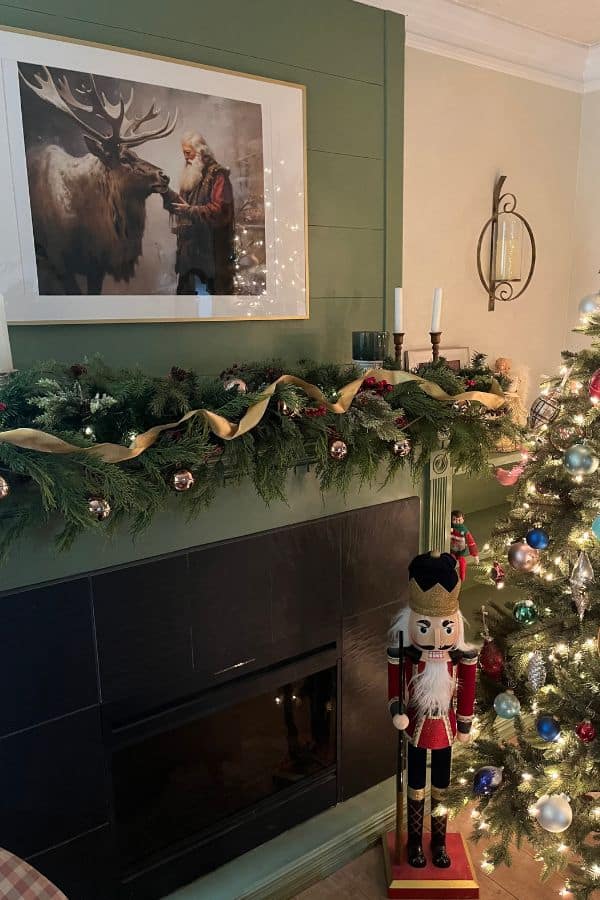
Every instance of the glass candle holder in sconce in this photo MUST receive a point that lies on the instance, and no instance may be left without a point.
(369, 349)
(509, 248)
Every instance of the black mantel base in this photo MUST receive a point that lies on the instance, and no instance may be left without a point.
(90, 662)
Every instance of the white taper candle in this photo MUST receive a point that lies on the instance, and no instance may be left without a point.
(6, 363)
(398, 311)
(436, 311)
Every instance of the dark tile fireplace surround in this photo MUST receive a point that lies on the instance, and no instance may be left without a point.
(161, 718)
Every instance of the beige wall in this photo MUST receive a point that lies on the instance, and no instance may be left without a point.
(464, 126)
(586, 244)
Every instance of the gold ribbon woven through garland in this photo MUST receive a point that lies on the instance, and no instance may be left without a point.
(32, 439)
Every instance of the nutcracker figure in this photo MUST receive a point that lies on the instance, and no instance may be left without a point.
(436, 688)
(462, 542)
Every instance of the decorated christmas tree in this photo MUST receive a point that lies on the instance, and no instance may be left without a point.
(533, 771)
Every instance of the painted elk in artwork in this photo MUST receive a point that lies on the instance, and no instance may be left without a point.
(89, 212)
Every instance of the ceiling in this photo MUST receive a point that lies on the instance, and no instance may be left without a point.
(572, 20)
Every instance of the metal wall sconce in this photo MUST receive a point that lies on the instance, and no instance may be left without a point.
(505, 263)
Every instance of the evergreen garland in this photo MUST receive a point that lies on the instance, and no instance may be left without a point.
(91, 402)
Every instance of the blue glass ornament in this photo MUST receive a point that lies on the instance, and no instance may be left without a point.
(486, 780)
(580, 460)
(547, 727)
(507, 705)
(596, 528)
(537, 538)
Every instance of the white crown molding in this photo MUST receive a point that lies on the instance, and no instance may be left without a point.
(591, 77)
(478, 38)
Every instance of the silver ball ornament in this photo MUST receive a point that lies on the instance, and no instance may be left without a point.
(589, 305)
(4, 488)
(240, 386)
(522, 557)
(183, 480)
(99, 508)
(553, 812)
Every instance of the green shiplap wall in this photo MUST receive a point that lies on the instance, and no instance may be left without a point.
(351, 59)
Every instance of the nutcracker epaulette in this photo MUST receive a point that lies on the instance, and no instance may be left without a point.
(393, 655)
(467, 657)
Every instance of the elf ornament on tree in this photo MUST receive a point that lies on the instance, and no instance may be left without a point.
(462, 542)
(435, 686)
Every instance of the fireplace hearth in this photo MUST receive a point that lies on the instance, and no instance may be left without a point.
(164, 717)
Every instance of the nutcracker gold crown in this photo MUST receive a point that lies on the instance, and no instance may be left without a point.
(436, 601)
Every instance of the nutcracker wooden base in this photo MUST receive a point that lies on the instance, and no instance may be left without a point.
(430, 883)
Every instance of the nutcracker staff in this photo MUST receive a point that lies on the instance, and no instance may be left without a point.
(438, 692)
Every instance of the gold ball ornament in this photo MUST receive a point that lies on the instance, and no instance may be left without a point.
(4, 488)
(99, 508)
(338, 450)
(183, 480)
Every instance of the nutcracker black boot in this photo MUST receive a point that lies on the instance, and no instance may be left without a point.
(416, 814)
(439, 855)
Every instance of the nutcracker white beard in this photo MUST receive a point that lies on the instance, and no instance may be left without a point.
(432, 689)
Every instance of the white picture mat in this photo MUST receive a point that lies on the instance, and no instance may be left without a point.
(285, 192)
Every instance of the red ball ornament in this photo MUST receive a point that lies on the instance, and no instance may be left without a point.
(585, 731)
(594, 387)
(491, 660)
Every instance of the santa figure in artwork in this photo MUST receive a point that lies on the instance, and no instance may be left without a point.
(462, 542)
(437, 689)
(204, 221)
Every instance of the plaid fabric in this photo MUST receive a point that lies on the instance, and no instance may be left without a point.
(20, 881)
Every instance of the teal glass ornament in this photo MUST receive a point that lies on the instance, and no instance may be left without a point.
(525, 612)
(538, 538)
(507, 705)
(596, 528)
(580, 460)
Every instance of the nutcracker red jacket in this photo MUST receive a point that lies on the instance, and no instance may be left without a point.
(438, 731)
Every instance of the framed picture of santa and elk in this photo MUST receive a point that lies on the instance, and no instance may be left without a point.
(145, 189)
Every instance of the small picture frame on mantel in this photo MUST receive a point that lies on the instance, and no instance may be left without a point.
(456, 357)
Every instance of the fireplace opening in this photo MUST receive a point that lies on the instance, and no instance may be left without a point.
(194, 775)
